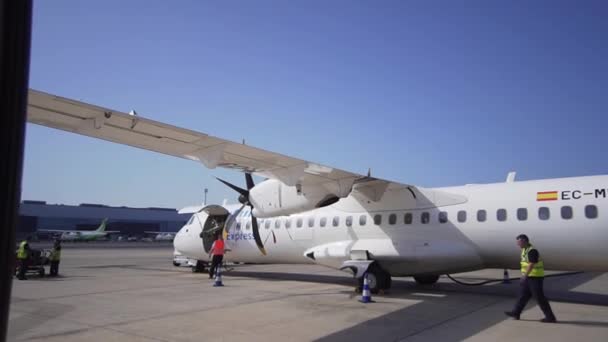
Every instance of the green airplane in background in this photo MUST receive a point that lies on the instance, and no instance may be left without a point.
(83, 235)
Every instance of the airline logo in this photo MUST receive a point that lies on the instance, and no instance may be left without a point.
(566, 195)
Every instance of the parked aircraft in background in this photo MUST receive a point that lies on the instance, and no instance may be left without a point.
(82, 235)
(162, 236)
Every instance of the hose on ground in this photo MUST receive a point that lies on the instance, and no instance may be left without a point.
(510, 279)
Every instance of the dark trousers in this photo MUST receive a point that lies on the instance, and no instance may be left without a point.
(54, 268)
(533, 286)
(216, 262)
(22, 268)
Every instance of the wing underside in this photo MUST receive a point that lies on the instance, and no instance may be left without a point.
(103, 123)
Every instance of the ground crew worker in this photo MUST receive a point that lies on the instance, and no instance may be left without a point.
(217, 250)
(55, 257)
(23, 254)
(531, 283)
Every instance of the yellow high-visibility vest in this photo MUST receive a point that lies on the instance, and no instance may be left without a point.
(539, 268)
(55, 254)
(22, 252)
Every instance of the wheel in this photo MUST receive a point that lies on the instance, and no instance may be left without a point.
(199, 268)
(426, 279)
(378, 279)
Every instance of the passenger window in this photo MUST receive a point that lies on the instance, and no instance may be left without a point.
(311, 221)
(501, 215)
(238, 226)
(522, 214)
(591, 211)
(407, 219)
(336, 221)
(566, 212)
(425, 217)
(543, 213)
(349, 221)
(392, 219)
(462, 216)
(443, 217)
(277, 224)
(267, 224)
(362, 220)
(481, 215)
(378, 219)
(323, 221)
(287, 223)
(248, 225)
(299, 222)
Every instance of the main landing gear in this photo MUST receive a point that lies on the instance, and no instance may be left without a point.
(426, 279)
(378, 279)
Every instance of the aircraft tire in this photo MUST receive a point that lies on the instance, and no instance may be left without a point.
(379, 279)
(426, 279)
(199, 268)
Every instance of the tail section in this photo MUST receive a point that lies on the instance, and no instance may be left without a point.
(102, 226)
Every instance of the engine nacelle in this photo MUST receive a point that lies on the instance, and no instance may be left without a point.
(273, 198)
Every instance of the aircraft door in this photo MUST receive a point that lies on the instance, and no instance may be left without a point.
(213, 225)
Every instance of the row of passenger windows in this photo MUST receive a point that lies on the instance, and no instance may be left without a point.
(544, 213)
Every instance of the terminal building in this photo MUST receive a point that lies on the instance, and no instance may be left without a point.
(35, 215)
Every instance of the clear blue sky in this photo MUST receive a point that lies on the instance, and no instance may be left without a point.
(432, 93)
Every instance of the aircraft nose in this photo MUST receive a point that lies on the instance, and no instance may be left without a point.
(179, 242)
(187, 242)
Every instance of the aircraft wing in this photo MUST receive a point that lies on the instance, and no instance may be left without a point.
(108, 124)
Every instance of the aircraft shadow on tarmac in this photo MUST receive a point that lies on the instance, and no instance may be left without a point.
(435, 305)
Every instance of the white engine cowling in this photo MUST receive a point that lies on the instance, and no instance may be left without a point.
(273, 198)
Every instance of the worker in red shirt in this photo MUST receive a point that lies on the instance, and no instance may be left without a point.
(217, 251)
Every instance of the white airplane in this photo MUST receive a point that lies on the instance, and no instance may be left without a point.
(305, 212)
(162, 236)
(82, 235)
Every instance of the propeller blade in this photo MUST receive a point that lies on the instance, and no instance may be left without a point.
(249, 181)
(243, 192)
(244, 198)
(256, 234)
(230, 220)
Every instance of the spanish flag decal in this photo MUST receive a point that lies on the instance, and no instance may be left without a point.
(546, 196)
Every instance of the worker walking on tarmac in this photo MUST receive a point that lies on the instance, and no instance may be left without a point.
(217, 251)
(533, 275)
(55, 257)
(23, 255)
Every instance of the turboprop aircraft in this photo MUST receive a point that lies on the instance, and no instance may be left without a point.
(305, 212)
(82, 235)
(162, 236)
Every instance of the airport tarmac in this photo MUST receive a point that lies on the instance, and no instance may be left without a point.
(136, 294)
